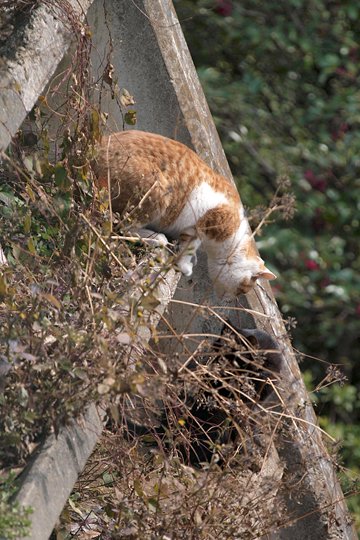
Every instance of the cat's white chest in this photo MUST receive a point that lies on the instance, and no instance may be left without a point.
(201, 199)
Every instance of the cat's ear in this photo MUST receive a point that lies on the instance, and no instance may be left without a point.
(265, 273)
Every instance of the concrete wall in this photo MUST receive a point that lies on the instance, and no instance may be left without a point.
(28, 60)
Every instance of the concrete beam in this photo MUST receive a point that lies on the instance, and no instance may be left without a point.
(49, 478)
(30, 57)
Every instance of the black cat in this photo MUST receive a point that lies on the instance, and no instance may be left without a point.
(241, 369)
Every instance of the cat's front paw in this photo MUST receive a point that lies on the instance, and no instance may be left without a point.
(160, 240)
(152, 238)
(184, 267)
(156, 240)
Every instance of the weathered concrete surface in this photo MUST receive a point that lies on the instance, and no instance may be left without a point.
(170, 101)
(49, 478)
(29, 60)
(139, 65)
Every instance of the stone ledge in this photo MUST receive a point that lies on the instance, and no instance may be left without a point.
(47, 481)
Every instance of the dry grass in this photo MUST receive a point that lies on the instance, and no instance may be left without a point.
(200, 465)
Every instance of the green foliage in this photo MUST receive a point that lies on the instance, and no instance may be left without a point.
(337, 405)
(14, 522)
(282, 81)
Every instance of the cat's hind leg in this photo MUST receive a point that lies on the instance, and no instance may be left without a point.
(189, 244)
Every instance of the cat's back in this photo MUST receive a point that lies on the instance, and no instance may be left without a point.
(136, 151)
(174, 179)
(142, 143)
(135, 147)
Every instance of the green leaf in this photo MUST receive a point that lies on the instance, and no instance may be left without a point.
(130, 117)
(27, 223)
(329, 60)
(149, 301)
(3, 285)
(138, 488)
(31, 246)
(108, 479)
(153, 504)
(61, 177)
(95, 124)
(30, 192)
(7, 197)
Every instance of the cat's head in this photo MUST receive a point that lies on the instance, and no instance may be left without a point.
(237, 275)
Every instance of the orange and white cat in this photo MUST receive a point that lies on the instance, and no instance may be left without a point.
(161, 184)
